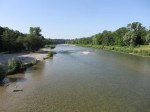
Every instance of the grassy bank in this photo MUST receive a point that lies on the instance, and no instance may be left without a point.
(142, 50)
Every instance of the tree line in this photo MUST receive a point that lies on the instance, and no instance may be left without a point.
(11, 40)
(15, 41)
(56, 41)
(132, 35)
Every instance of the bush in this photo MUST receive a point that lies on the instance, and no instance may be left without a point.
(130, 50)
(50, 54)
(112, 48)
(52, 46)
(145, 52)
(30, 63)
(15, 65)
(135, 51)
(46, 46)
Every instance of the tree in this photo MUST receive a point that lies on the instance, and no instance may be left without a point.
(33, 42)
(1, 32)
(94, 40)
(20, 43)
(118, 34)
(35, 30)
(140, 31)
(130, 38)
(97, 39)
(9, 40)
(148, 38)
(107, 38)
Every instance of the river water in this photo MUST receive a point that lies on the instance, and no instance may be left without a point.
(80, 79)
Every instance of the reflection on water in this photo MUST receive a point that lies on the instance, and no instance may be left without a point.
(77, 81)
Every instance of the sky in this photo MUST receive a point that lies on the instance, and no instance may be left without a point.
(69, 19)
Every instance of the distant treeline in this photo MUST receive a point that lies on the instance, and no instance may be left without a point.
(15, 41)
(57, 41)
(132, 35)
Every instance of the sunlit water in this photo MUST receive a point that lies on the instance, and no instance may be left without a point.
(81, 79)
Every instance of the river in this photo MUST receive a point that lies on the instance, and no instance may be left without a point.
(80, 79)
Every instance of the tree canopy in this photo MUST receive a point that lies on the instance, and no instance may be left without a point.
(131, 35)
(11, 40)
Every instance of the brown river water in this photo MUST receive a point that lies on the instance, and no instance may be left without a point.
(80, 79)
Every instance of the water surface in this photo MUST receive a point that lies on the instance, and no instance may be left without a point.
(81, 79)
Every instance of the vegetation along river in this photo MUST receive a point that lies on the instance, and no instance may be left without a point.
(80, 79)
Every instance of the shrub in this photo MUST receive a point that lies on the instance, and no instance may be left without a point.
(30, 63)
(52, 46)
(50, 54)
(112, 48)
(46, 46)
(15, 65)
(135, 51)
(130, 50)
(145, 52)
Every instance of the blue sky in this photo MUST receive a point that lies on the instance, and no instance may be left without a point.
(72, 18)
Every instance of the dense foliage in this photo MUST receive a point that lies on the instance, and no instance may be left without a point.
(132, 35)
(56, 41)
(15, 41)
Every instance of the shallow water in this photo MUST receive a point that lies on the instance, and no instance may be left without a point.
(81, 79)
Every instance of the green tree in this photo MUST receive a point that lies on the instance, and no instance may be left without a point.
(118, 34)
(97, 39)
(148, 38)
(94, 40)
(33, 42)
(35, 30)
(107, 38)
(20, 43)
(140, 31)
(130, 38)
(9, 40)
(1, 32)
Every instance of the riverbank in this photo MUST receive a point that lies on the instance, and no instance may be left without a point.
(26, 57)
(142, 50)
(18, 62)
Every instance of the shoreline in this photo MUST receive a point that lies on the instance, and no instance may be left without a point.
(26, 57)
(112, 48)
